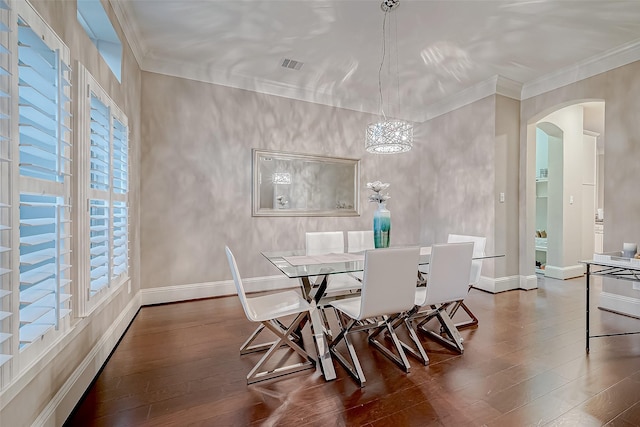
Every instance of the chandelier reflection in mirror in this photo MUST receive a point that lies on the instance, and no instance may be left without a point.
(389, 136)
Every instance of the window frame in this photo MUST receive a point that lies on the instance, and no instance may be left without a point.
(88, 87)
(8, 175)
(95, 21)
(20, 184)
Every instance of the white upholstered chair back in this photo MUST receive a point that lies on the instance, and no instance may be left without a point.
(389, 284)
(324, 242)
(246, 305)
(449, 270)
(358, 241)
(479, 244)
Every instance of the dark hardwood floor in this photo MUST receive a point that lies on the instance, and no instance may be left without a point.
(525, 364)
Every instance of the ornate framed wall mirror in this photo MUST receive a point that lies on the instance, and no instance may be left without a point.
(291, 184)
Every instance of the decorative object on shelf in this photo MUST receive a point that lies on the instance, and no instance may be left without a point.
(389, 136)
(282, 202)
(382, 216)
(541, 233)
(629, 250)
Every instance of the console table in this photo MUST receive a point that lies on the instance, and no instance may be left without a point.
(615, 267)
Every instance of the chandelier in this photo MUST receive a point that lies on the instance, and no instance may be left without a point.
(388, 136)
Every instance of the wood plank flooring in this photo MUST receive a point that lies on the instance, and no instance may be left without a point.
(525, 364)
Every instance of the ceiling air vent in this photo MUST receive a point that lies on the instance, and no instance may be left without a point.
(290, 63)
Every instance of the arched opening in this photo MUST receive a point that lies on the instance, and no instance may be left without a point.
(565, 201)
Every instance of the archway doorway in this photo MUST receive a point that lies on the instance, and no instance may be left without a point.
(568, 150)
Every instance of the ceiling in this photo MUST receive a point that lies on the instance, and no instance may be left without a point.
(449, 52)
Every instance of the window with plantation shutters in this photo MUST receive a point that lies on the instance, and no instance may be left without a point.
(104, 139)
(44, 188)
(6, 181)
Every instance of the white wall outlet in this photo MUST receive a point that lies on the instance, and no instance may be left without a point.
(501, 197)
(570, 200)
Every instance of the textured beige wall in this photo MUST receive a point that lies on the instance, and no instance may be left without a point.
(507, 175)
(196, 177)
(458, 175)
(28, 398)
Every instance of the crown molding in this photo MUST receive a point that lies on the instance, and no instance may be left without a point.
(494, 85)
(220, 77)
(268, 87)
(122, 11)
(460, 99)
(509, 88)
(601, 63)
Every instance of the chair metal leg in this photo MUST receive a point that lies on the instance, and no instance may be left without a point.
(417, 350)
(354, 368)
(472, 322)
(468, 323)
(426, 315)
(256, 375)
(454, 340)
(247, 348)
(400, 359)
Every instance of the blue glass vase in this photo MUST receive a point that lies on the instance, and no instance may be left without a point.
(382, 226)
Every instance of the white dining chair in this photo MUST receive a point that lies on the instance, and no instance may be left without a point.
(448, 282)
(479, 244)
(388, 290)
(327, 242)
(269, 310)
(358, 241)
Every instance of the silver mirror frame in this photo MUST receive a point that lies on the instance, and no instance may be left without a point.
(255, 188)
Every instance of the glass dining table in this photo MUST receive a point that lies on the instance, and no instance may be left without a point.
(313, 271)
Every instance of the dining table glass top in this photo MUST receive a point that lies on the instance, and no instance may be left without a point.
(296, 263)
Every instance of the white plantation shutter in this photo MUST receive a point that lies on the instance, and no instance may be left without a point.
(104, 139)
(100, 145)
(120, 240)
(120, 189)
(45, 165)
(99, 245)
(6, 162)
(120, 158)
(99, 218)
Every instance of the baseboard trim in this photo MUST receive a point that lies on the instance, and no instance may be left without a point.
(59, 408)
(498, 284)
(620, 304)
(529, 282)
(192, 291)
(564, 273)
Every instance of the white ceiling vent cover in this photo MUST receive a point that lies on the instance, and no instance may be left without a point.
(290, 63)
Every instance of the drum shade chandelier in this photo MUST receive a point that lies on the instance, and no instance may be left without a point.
(389, 136)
